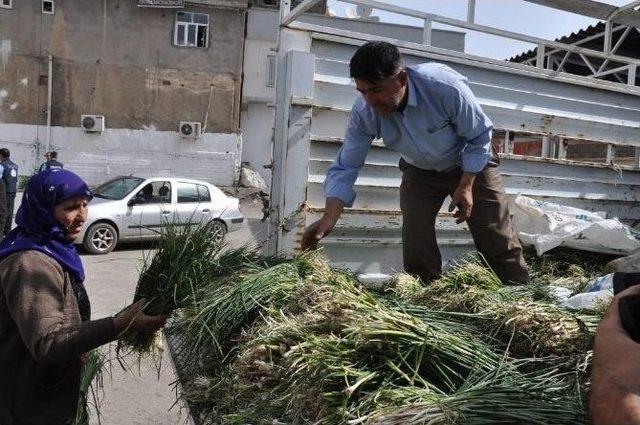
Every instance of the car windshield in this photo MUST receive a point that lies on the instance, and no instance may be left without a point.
(117, 188)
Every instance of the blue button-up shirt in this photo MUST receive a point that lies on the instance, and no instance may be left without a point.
(442, 127)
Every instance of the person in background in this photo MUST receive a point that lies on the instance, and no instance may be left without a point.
(45, 325)
(10, 177)
(51, 162)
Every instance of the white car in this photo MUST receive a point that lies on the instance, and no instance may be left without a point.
(132, 208)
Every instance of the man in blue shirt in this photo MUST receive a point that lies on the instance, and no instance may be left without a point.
(429, 115)
(51, 162)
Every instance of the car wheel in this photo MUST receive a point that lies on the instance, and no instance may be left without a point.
(218, 230)
(101, 238)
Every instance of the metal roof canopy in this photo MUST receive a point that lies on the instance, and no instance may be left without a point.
(622, 15)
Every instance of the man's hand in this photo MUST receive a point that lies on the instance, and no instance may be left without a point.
(615, 380)
(463, 198)
(317, 231)
(324, 226)
(134, 318)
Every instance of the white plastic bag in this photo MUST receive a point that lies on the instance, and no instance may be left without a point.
(558, 293)
(376, 281)
(249, 177)
(546, 225)
(597, 291)
(600, 283)
(589, 300)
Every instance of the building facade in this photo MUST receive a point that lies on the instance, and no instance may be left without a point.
(147, 67)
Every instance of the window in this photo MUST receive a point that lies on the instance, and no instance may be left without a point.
(187, 192)
(6, 4)
(47, 7)
(203, 193)
(117, 188)
(154, 193)
(191, 29)
(271, 71)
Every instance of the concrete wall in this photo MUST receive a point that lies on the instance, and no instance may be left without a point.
(116, 59)
(257, 125)
(214, 157)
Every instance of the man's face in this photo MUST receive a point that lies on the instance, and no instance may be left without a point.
(384, 96)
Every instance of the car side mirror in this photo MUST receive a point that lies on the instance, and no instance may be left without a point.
(131, 202)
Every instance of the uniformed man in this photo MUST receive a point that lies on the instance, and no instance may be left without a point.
(51, 162)
(429, 115)
(10, 178)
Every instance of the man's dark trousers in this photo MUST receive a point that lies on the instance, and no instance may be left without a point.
(11, 198)
(422, 193)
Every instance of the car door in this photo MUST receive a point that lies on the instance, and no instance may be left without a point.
(149, 210)
(193, 204)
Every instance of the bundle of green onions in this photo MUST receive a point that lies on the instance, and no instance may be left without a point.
(187, 262)
(326, 351)
(518, 315)
(269, 340)
(90, 385)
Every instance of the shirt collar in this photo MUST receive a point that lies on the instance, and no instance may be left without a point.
(413, 98)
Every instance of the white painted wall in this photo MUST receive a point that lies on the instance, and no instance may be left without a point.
(214, 157)
(257, 125)
(254, 86)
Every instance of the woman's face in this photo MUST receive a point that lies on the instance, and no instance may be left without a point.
(72, 213)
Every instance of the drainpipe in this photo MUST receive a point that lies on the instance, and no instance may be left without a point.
(49, 94)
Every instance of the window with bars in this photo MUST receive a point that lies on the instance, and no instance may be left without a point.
(271, 71)
(48, 7)
(6, 4)
(191, 29)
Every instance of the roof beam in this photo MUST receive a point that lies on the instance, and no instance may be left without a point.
(594, 9)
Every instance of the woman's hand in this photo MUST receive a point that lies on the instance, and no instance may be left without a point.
(134, 318)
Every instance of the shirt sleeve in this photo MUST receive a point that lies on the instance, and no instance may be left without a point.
(472, 125)
(34, 293)
(344, 170)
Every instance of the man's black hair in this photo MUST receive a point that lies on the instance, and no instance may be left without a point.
(4, 152)
(53, 155)
(375, 61)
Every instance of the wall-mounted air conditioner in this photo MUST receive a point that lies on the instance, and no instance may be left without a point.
(92, 123)
(190, 129)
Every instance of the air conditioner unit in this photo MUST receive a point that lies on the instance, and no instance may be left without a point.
(92, 123)
(190, 130)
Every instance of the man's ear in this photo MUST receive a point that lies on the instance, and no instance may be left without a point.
(403, 77)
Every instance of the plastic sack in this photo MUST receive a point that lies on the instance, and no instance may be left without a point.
(589, 300)
(546, 225)
(600, 283)
(375, 281)
(596, 292)
(558, 293)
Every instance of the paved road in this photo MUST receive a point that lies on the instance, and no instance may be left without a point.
(141, 396)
